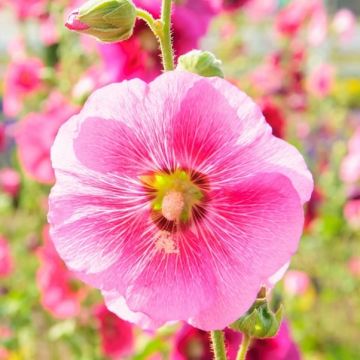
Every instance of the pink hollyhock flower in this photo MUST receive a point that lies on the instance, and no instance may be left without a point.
(296, 282)
(268, 78)
(344, 24)
(175, 199)
(5, 334)
(117, 336)
(54, 282)
(138, 56)
(295, 15)
(194, 344)
(274, 116)
(312, 208)
(5, 258)
(35, 135)
(318, 27)
(2, 137)
(229, 5)
(28, 8)
(280, 347)
(9, 181)
(22, 78)
(92, 79)
(258, 10)
(352, 211)
(354, 266)
(321, 81)
(49, 34)
(350, 167)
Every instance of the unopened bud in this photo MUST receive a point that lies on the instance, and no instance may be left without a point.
(203, 63)
(259, 322)
(107, 20)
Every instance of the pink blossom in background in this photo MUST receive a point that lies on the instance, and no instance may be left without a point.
(274, 116)
(6, 264)
(268, 78)
(120, 223)
(312, 207)
(290, 19)
(117, 335)
(318, 27)
(344, 24)
(228, 5)
(5, 334)
(54, 282)
(191, 343)
(280, 347)
(296, 282)
(16, 49)
(194, 344)
(22, 78)
(28, 8)
(93, 78)
(322, 80)
(350, 166)
(2, 137)
(49, 34)
(258, 10)
(138, 57)
(354, 266)
(9, 181)
(352, 212)
(295, 15)
(35, 135)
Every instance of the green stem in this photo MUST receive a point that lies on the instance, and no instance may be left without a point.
(218, 343)
(162, 30)
(148, 18)
(165, 40)
(244, 347)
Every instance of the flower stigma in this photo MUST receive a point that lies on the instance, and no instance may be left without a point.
(175, 196)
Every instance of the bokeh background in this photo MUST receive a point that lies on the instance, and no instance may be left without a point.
(299, 59)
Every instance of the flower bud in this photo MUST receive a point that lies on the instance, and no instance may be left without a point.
(199, 62)
(259, 322)
(107, 20)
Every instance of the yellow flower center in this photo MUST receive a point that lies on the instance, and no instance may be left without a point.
(173, 195)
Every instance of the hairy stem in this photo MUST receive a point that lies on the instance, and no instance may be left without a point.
(218, 344)
(165, 40)
(244, 347)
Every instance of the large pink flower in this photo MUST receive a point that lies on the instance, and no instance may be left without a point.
(138, 56)
(175, 199)
(22, 78)
(35, 135)
(54, 282)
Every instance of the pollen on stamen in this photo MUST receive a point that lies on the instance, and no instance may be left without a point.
(165, 242)
(172, 205)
